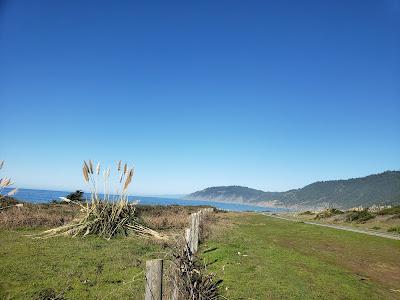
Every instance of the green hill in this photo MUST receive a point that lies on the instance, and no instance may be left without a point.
(383, 188)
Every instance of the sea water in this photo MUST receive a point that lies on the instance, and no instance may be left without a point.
(46, 196)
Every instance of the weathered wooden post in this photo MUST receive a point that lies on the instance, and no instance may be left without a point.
(187, 236)
(194, 232)
(154, 277)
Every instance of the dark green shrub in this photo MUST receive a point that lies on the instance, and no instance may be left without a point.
(394, 229)
(359, 216)
(76, 196)
(7, 201)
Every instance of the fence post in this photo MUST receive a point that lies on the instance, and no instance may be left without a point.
(154, 276)
(194, 234)
(187, 236)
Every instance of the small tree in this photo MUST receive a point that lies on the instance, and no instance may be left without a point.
(76, 196)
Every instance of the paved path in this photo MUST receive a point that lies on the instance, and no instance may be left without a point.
(387, 235)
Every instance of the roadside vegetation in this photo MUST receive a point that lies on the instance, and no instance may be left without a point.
(385, 220)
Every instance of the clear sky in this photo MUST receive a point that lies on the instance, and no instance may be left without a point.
(267, 94)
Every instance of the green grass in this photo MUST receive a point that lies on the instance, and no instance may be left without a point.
(77, 268)
(288, 260)
(278, 260)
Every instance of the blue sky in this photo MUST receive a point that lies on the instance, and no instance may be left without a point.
(267, 94)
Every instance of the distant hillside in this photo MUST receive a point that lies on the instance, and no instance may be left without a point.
(383, 188)
(227, 194)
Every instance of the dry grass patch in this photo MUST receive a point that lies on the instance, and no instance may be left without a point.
(172, 218)
(37, 215)
(166, 217)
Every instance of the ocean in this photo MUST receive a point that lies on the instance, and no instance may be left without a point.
(46, 196)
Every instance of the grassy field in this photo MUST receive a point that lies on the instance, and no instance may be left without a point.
(265, 258)
(78, 268)
(257, 257)
(74, 268)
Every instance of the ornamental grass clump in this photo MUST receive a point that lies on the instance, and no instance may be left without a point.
(109, 216)
(6, 182)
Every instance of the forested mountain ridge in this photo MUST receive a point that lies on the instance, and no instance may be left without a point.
(383, 188)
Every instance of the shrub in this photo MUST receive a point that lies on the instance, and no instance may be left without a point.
(330, 212)
(394, 229)
(359, 216)
(6, 201)
(390, 211)
(75, 196)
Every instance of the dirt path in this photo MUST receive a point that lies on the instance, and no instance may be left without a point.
(387, 235)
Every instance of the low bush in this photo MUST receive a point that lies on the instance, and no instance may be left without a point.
(390, 211)
(359, 216)
(76, 196)
(394, 229)
(8, 201)
(330, 212)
